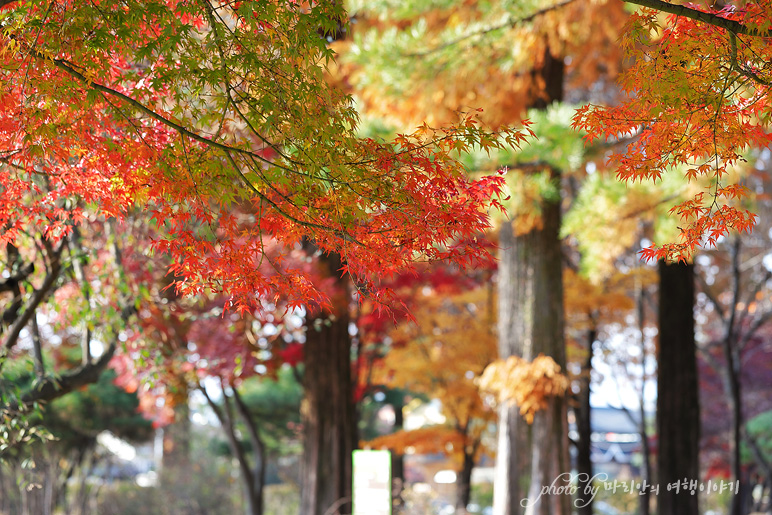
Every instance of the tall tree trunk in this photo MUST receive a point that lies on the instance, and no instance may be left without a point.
(464, 482)
(732, 384)
(646, 475)
(549, 452)
(584, 495)
(328, 411)
(645, 495)
(531, 322)
(398, 460)
(513, 451)
(678, 405)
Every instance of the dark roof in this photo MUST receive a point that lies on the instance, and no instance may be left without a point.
(613, 420)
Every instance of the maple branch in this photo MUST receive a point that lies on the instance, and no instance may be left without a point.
(282, 212)
(243, 410)
(734, 27)
(751, 297)
(758, 455)
(508, 23)
(67, 67)
(755, 326)
(745, 72)
(254, 435)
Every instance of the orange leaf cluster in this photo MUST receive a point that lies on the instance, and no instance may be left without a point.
(698, 96)
(424, 440)
(528, 385)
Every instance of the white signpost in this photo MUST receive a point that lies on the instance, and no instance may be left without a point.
(372, 483)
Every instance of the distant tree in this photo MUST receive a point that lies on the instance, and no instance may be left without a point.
(440, 354)
(73, 422)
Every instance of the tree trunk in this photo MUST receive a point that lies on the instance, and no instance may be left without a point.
(252, 479)
(531, 322)
(513, 452)
(256, 478)
(733, 387)
(328, 411)
(644, 499)
(550, 426)
(646, 475)
(464, 482)
(584, 495)
(678, 411)
(398, 460)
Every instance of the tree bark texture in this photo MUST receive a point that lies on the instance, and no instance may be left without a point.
(732, 385)
(582, 411)
(678, 407)
(531, 321)
(327, 410)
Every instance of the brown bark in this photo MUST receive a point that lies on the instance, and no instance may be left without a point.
(549, 437)
(733, 386)
(398, 460)
(582, 411)
(464, 482)
(513, 452)
(678, 411)
(531, 322)
(644, 499)
(328, 412)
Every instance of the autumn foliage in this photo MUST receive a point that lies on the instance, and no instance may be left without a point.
(698, 96)
(528, 385)
(186, 113)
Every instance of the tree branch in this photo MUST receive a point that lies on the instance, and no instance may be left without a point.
(252, 428)
(53, 387)
(745, 72)
(38, 297)
(508, 23)
(758, 455)
(705, 287)
(732, 26)
(225, 416)
(11, 282)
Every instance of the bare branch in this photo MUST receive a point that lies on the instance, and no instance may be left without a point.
(53, 387)
(705, 287)
(39, 296)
